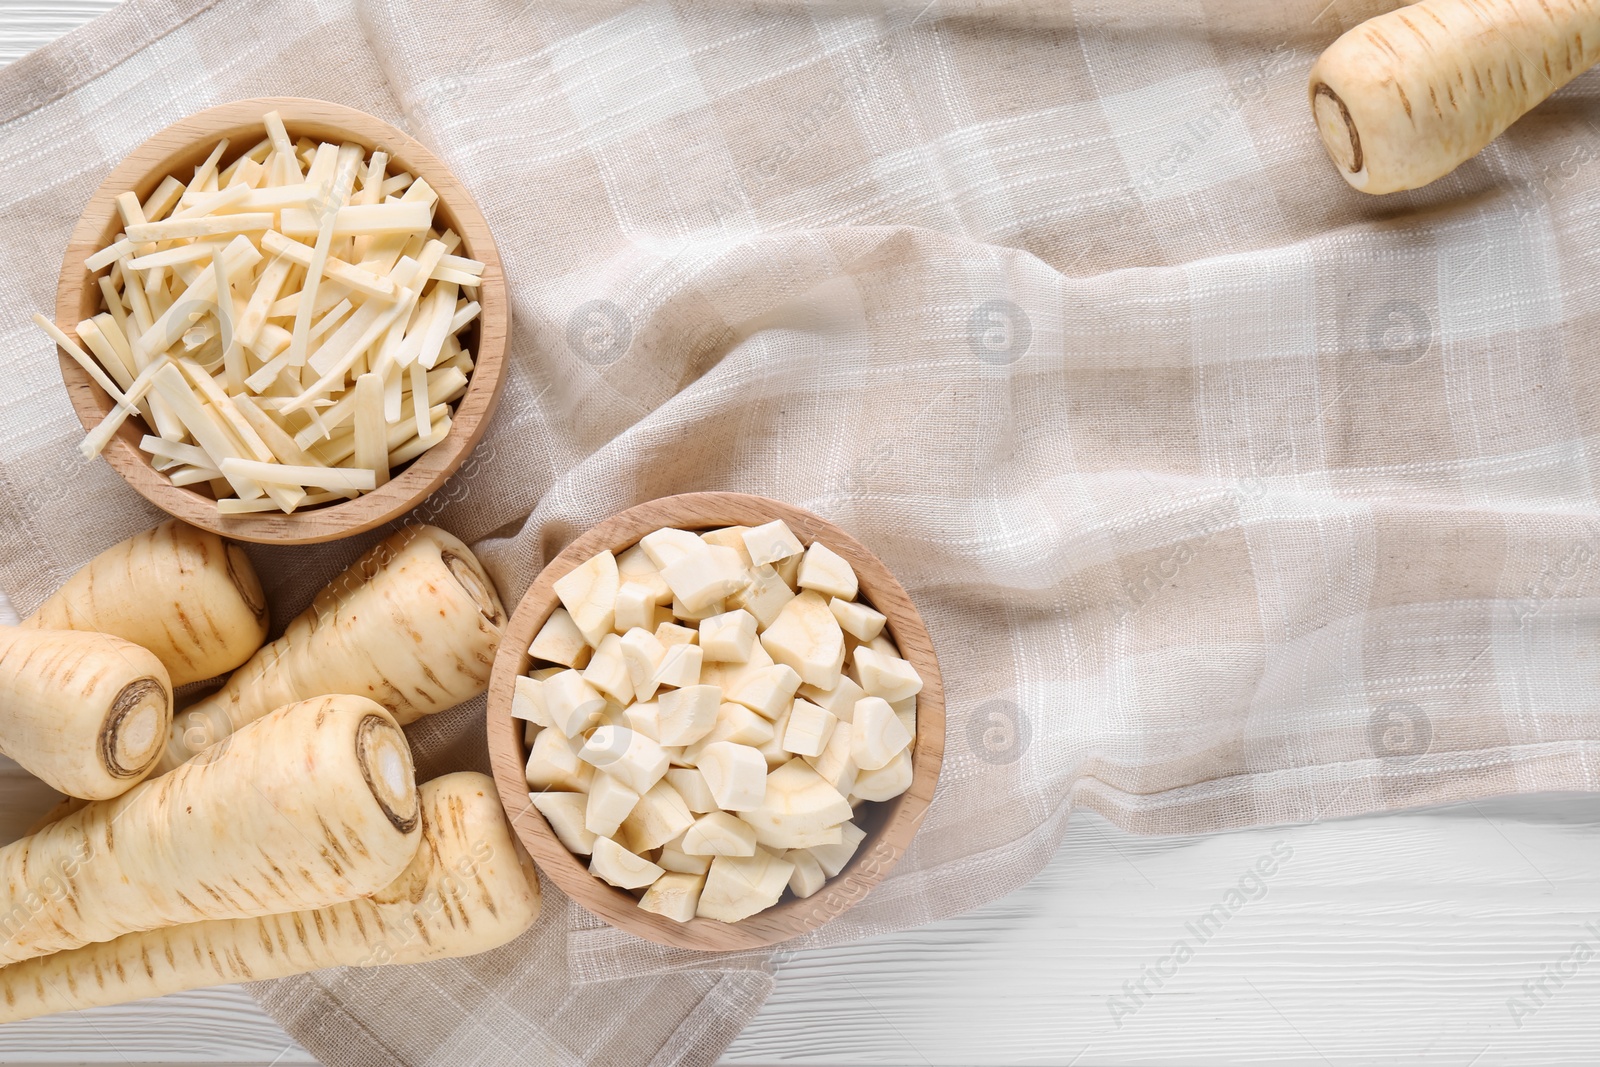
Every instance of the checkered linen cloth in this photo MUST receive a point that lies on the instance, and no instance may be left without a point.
(1230, 496)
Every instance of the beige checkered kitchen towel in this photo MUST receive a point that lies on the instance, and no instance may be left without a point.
(1230, 496)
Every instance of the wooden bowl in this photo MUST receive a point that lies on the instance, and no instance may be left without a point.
(176, 150)
(889, 826)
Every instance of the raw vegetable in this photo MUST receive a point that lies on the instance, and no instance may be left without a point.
(314, 805)
(709, 758)
(187, 595)
(245, 309)
(414, 624)
(1408, 96)
(84, 712)
(469, 889)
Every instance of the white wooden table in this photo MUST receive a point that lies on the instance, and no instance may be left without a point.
(1406, 939)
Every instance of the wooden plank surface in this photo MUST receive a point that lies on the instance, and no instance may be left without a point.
(1405, 939)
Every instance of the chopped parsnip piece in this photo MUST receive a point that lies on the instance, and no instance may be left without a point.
(726, 755)
(675, 895)
(623, 869)
(772, 542)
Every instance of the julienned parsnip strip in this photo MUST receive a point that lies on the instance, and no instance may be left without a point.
(292, 253)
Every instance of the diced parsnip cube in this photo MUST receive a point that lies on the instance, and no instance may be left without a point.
(660, 816)
(560, 641)
(683, 613)
(800, 809)
(665, 546)
(808, 729)
(856, 619)
(807, 878)
(528, 703)
(636, 607)
(645, 718)
(608, 670)
(633, 564)
(876, 735)
(609, 803)
(627, 755)
(623, 869)
(835, 765)
(888, 677)
(691, 786)
(730, 537)
(589, 593)
(773, 751)
(735, 723)
(885, 647)
(906, 711)
(688, 714)
(789, 570)
(674, 895)
(771, 542)
(565, 814)
(680, 666)
(643, 654)
(739, 886)
(764, 596)
(670, 633)
(888, 781)
(553, 765)
(675, 859)
(840, 700)
(571, 702)
(768, 691)
(732, 675)
(735, 774)
(825, 571)
(728, 638)
(834, 858)
(807, 637)
(705, 574)
(720, 834)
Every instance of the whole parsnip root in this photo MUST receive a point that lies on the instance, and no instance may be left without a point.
(1409, 96)
(313, 805)
(414, 624)
(187, 595)
(86, 713)
(470, 889)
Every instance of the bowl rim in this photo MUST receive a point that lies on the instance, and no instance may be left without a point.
(159, 155)
(895, 821)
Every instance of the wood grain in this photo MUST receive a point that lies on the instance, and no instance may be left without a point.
(889, 826)
(175, 151)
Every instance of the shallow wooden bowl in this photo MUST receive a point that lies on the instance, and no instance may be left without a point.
(175, 151)
(889, 826)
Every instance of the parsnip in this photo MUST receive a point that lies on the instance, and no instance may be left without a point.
(414, 624)
(87, 713)
(1405, 98)
(469, 889)
(313, 805)
(187, 595)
